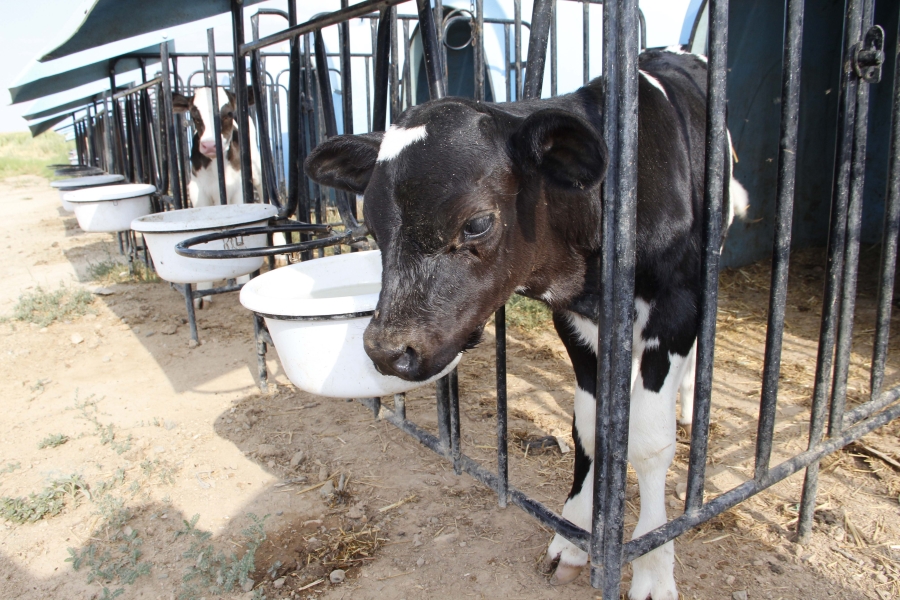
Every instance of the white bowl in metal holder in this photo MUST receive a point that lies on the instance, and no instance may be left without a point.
(164, 230)
(111, 208)
(79, 183)
(317, 312)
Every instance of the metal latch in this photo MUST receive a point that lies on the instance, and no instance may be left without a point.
(869, 56)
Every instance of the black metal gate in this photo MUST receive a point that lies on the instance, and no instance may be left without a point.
(833, 424)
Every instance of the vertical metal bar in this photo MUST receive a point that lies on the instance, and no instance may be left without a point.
(294, 122)
(888, 241)
(517, 40)
(400, 405)
(262, 369)
(269, 180)
(91, 147)
(502, 439)
(346, 83)
(216, 116)
(478, 50)
(438, 13)
(184, 164)
(455, 449)
(716, 156)
(407, 66)
(554, 58)
(240, 90)
(382, 70)
(396, 107)
(623, 313)
(166, 117)
(835, 254)
(431, 51)
(851, 250)
(537, 48)
(586, 41)
(507, 65)
(606, 304)
(111, 166)
(442, 389)
(784, 211)
(367, 69)
(192, 316)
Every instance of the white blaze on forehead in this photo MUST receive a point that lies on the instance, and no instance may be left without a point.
(204, 105)
(397, 138)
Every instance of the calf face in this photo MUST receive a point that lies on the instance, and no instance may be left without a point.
(468, 204)
(200, 106)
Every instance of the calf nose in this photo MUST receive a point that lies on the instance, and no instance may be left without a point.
(400, 361)
(208, 147)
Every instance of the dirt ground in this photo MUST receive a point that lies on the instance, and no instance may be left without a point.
(158, 432)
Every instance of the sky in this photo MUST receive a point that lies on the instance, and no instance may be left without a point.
(25, 33)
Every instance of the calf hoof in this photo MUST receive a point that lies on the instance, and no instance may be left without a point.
(565, 574)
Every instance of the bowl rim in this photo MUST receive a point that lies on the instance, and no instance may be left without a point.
(85, 182)
(110, 193)
(244, 214)
(335, 308)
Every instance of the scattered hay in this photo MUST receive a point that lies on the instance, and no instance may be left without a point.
(347, 548)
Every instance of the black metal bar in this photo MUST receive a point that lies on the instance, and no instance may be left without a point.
(455, 445)
(586, 43)
(216, 116)
(137, 88)
(517, 45)
(317, 23)
(382, 71)
(835, 254)
(541, 18)
(716, 156)
(396, 106)
(295, 152)
(554, 58)
(240, 90)
(327, 105)
(606, 308)
(478, 50)
(623, 282)
(346, 86)
(502, 438)
(889, 235)
(720, 504)
(181, 141)
(442, 389)
(166, 117)
(851, 249)
(259, 326)
(431, 51)
(262, 130)
(784, 210)
(407, 67)
(192, 317)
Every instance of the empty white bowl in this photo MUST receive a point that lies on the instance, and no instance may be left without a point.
(164, 230)
(317, 312)
(110, 208)
(78, 183)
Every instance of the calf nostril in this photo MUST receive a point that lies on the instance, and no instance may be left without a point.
(405, 361)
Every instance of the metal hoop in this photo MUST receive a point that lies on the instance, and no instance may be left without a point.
(185, 247)
(459, 14)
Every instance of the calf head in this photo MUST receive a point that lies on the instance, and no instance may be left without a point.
(200, 107)
(468, 203)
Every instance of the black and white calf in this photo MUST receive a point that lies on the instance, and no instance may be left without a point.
(472, 202)
(204, 187)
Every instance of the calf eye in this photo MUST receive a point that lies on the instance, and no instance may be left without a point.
(478, 226)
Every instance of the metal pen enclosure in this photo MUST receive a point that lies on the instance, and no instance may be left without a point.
(312, 117)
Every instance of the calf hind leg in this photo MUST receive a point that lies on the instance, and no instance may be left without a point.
(686, 415)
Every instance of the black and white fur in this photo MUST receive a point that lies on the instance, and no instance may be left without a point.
(472, 202)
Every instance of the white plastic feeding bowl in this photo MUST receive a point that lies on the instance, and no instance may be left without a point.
(317, 312)
(164, 230)
(79, 183)
(111, 208)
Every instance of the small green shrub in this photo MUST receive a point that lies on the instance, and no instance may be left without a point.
(43, 307)
(49, 502)
(52, 441)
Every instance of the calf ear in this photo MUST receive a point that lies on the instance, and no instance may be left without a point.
(345, 162)
(181, 104)
(562, 147)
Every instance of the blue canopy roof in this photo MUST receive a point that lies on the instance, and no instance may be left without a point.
(101, 22)
(43, 79)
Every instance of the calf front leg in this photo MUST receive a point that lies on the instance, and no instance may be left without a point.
(651, 448)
